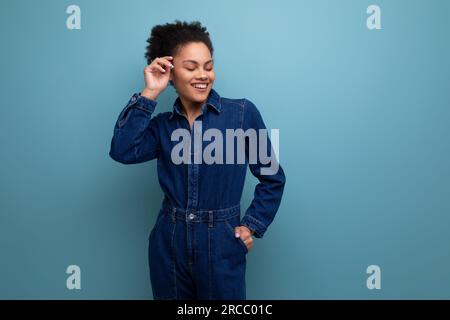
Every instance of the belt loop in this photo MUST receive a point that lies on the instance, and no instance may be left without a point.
(210, 218)
(174, 210)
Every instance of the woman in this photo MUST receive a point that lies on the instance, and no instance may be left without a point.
(199, 243)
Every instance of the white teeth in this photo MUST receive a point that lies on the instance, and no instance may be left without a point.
(200, 86)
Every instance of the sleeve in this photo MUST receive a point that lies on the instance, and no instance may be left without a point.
(136, 137)
(268, 192)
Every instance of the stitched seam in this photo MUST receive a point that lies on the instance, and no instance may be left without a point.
(256, 221)
(173, 262)
(202, 211)
(145, 109)
(209, 264)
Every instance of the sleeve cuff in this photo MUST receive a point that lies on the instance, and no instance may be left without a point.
(138, 102)
(143, 103)
(254, 224)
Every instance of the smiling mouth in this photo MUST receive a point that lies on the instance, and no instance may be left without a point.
(200, 86)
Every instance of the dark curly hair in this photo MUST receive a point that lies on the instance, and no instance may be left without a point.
(167, 39)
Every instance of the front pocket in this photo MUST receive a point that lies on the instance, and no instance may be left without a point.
(231, 229)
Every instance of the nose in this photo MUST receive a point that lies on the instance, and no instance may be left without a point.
(202, 75)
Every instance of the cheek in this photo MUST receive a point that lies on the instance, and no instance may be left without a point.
(184, 76)
(187, 77)
(180, 82)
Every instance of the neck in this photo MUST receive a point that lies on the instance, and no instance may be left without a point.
(191, 109)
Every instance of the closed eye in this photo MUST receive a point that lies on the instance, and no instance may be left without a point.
(194, 69)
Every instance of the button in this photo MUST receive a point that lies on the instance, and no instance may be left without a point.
(191, 216)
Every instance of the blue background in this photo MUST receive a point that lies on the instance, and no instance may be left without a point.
(364, 140)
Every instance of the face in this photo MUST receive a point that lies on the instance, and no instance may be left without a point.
(193, 65)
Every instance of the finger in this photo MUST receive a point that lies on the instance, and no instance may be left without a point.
(164, 62)
(151, 69)
(163, 58)
(244, 236)
(157, 67)
(245, 231)
(238, 232)
(248, 244)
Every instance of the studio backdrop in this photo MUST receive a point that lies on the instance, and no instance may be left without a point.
(359, 91)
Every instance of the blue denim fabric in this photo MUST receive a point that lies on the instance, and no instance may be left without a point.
(196, 256)
(196, 189)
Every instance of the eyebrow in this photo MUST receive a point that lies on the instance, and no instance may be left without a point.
(195, 62)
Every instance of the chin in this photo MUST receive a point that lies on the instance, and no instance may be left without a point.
(200, 96)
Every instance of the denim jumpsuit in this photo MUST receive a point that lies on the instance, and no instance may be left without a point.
(193, 252)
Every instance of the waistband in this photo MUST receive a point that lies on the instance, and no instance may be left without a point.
(203, 215)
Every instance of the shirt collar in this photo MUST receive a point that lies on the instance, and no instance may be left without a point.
(213, 101)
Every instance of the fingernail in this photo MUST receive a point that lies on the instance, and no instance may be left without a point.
(237, 235)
